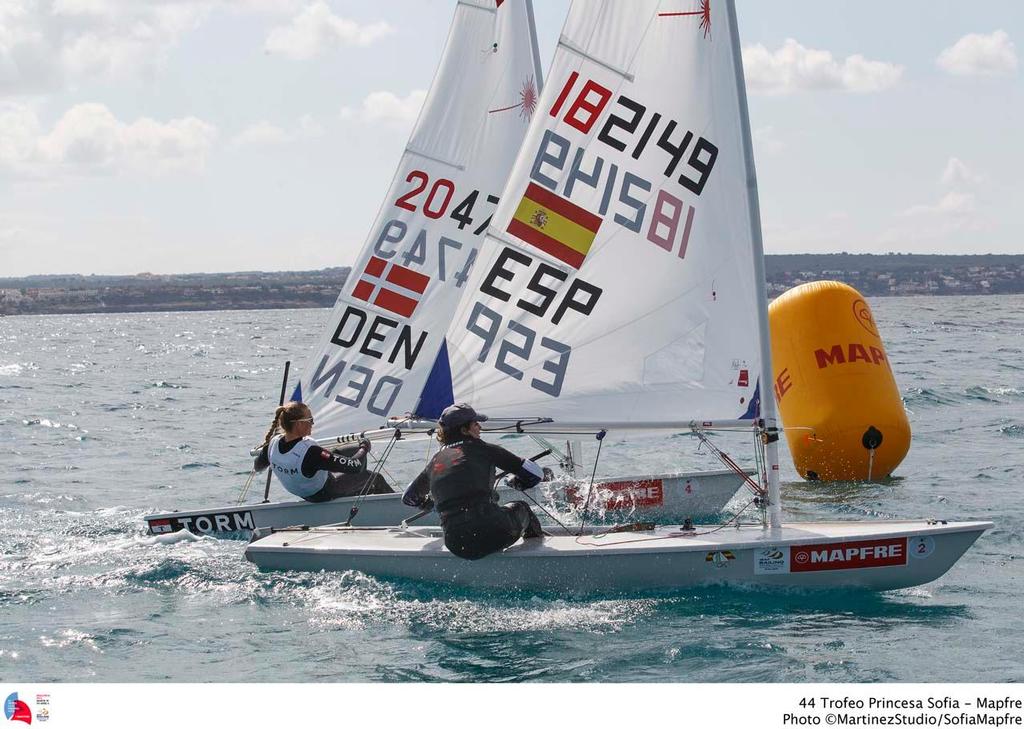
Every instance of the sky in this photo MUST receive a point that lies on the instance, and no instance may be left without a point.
(173, 136)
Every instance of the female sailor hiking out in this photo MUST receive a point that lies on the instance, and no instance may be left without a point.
(458, 481)
(307, 470)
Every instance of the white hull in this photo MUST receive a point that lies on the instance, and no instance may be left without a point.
(884, 555)
(649, 497)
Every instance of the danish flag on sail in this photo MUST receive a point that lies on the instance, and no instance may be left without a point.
(391, 286)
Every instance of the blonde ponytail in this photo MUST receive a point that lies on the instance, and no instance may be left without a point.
(274, 426)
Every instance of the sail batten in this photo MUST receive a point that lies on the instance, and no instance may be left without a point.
(432, 158)
(568, 45)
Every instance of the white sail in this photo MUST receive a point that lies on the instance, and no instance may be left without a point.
(618, 280)
(390, 319)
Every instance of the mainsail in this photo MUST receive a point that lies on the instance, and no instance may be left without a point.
(389, 321)
(619, 279)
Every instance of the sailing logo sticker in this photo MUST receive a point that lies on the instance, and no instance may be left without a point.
(17, 710)
(704, 12)
(771, 560)
(862, 314)
(554, 225)
(849, 555)
(391, 286)
(720, 559)
(160, 526)
(527, 103)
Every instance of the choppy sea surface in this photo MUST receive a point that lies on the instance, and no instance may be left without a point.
(105, 418)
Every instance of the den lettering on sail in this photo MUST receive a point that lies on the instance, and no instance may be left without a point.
(375, 336)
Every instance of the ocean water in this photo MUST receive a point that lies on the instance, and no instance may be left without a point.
(104, 418)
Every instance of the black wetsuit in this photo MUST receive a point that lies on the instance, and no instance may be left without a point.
(459, 479)
(348, 476)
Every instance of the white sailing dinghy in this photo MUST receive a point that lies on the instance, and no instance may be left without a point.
(655, 496)
(621, 287)
(374, 356)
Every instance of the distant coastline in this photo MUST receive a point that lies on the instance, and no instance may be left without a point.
(872, 275)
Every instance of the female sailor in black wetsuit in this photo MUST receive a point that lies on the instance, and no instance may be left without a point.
(307, 470)
(459, 480)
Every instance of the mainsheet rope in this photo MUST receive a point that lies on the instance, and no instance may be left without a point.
(372, 478)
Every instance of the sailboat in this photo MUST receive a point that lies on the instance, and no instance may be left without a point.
(373, 358)
(621, 289)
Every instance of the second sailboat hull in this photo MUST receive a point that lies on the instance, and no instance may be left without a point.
(665, 496)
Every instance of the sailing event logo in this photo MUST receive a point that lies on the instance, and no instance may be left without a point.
(17, 710)
(527, 103)
(704, 12)
(862, 313)
(771, 560)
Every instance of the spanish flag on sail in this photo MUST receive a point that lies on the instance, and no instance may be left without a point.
(555, 225)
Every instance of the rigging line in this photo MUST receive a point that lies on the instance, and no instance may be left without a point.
(590, 490)
(675, 535)
(373, 476)
(545, 432)
(729, 462)
(245, 488)
(548, 513)
(762, 466)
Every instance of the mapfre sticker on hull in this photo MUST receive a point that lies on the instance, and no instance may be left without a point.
(231, 521)
(849, 555)
(619, 495)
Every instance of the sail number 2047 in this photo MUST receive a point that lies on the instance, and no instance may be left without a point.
(435, 201)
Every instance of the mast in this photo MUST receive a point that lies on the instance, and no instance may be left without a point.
(768, 410)
(534, 46)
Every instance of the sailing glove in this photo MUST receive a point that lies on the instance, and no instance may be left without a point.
(528, 476)
(412, 497)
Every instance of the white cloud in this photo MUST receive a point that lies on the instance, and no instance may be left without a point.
(89, 139)
(952, 204)
(384, 106)
(957, 173)
(267, 7)
(19, 130)
(796, 68)
(310, 127)
(316, 29)
(263, 133)
(44, 46)
(11, 233)
(980, 55)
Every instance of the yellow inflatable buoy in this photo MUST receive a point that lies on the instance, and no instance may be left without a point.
(837, 396)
